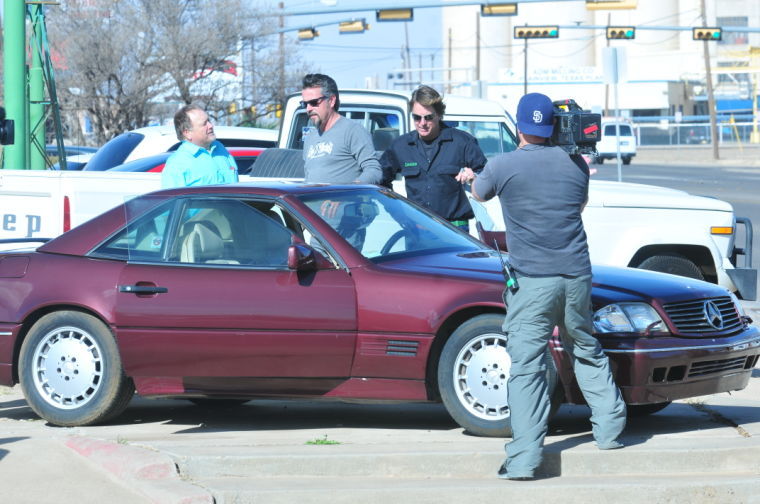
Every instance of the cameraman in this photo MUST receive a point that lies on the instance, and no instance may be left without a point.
(542, 192)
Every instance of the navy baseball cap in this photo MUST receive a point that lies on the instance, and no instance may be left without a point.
(535, 115)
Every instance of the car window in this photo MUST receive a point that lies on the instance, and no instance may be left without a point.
(142, 241)
(209, 232)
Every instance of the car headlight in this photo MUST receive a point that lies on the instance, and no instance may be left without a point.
(628, 317)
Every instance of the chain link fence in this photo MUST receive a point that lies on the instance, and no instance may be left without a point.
(671, 133)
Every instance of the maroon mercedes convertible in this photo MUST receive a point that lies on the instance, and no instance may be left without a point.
(284, 290)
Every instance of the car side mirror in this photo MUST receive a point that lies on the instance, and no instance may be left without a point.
(302, 257)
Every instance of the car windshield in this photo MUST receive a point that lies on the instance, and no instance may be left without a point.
(384, 226)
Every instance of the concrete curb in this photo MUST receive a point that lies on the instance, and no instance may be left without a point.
(150, 473)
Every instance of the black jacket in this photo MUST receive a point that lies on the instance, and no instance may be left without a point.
(431, 183)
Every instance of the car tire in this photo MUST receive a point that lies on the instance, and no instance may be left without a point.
(472, 377)
(70, 370)
(641, 410)
(673, 264)
(599, 160)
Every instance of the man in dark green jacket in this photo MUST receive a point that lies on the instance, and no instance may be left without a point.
(435, 160)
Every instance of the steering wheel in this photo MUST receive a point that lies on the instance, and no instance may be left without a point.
(392, 240)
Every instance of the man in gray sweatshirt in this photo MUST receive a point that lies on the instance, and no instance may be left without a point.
(336, 150)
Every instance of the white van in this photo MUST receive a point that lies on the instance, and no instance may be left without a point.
(607, 148)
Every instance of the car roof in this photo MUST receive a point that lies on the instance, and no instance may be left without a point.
(149, 162)
(161, 138)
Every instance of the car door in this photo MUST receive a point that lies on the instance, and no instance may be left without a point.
(216, 299)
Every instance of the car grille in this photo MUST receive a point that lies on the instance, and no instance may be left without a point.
(704, 316)
(717, 366)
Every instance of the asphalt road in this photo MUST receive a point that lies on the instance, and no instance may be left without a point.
(735, 179)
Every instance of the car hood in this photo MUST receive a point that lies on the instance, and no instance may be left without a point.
(623, 194)
(611, 284)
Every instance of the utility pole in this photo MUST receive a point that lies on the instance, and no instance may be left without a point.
(710, 95)
(607, 86)
(525, 65)
(477, 46)
(419, 57)
(448, 87)
(408, 59)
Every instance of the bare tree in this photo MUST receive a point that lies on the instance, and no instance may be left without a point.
(123, 61)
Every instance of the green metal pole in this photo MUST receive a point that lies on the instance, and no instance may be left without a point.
(14, 79)
(36, 93)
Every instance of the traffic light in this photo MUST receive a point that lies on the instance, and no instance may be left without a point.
(382, 15)
(307, 34)
(707, 33)
(6, 129)
(621, 32)
(353, 26)
(526, 32)
(232, 108)
(611, 4)
(500, 9)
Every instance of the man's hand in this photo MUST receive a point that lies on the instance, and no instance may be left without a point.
(465, 176)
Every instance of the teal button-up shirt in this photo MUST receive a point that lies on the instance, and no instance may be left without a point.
(192, 165)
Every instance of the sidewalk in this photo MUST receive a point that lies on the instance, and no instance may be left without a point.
(702, 450)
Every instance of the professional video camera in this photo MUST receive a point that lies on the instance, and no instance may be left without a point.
(575, 130)
(6, 129)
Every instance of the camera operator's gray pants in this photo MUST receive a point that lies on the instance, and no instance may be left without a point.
(532, 313)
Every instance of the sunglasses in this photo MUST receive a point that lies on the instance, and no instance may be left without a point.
(312, 103)
(418, 118)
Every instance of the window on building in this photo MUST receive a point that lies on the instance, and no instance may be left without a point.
(734, 38)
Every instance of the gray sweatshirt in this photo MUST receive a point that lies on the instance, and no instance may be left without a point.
(343, 154)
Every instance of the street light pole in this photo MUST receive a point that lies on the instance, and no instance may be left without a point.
(525, 66)
(710, 95)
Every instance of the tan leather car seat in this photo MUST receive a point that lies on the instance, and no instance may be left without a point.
(204, 245)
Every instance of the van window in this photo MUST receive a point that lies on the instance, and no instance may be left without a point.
(625, 130)
(383, 124)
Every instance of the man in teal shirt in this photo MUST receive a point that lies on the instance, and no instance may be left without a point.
(200, 159)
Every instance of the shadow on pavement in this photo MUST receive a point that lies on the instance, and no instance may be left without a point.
(8, 440)
(281, 415)
(273, 415)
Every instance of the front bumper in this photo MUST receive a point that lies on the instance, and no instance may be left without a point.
(666, 369)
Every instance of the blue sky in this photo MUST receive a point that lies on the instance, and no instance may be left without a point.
(349, 58)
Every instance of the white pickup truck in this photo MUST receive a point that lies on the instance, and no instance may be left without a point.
(627, 224)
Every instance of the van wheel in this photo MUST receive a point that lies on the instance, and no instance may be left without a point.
(673, 264)
(626, 160)
(472, 377)
(599, 160)
(70, 370)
